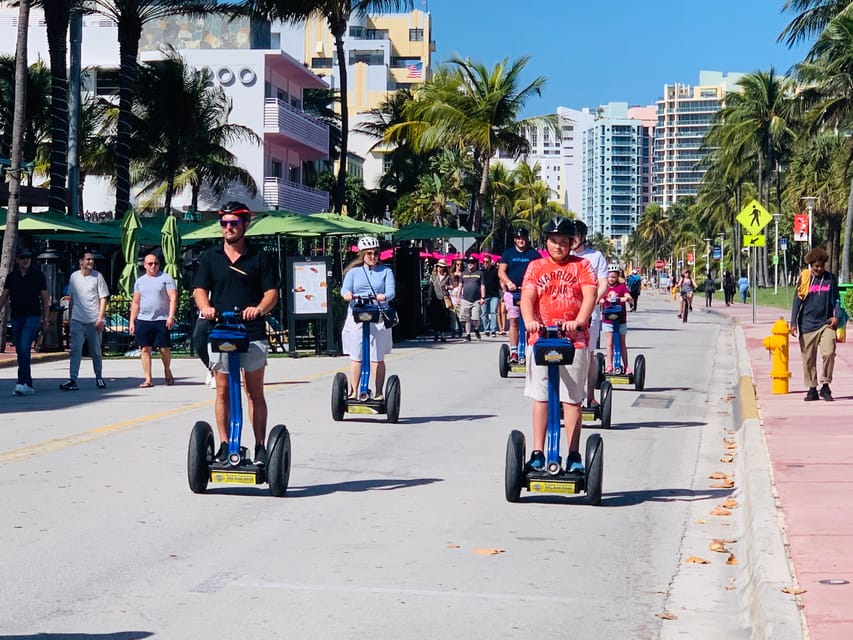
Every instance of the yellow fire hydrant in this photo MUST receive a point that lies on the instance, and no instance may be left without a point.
(777, 344)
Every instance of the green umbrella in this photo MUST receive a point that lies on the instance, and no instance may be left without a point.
(424, 231)
(285, 223)
(171, 243)
(351, 226)
(44, 223)
(129, 249)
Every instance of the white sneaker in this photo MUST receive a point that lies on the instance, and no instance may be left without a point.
(19, 390)
(26, 390)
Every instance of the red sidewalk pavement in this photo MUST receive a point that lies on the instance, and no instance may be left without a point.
(810, 445)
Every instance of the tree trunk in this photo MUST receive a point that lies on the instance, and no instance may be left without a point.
(58, 16)
(340, 187)
(477, 213)
(848, 229)
(129, 32)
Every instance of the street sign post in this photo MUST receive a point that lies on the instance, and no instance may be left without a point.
(754, 240)
(753, 218)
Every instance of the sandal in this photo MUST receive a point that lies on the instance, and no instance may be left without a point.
(608, 370)
(146, 385)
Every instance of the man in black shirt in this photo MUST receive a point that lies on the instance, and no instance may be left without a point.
(815, 315)
(492, 284)
(27, 288)
(237, 274)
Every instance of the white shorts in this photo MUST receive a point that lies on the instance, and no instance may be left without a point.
(381, 340)
(255, 358)
(469, 311)
(572, 378)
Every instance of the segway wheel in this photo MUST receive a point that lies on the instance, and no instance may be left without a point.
(640, 372)
(340, 387)
(606, 403)
(503, 361)
(594, 469)
(200, 456)
(599, 370)
(514, 473)
(278, 460)
(392, 399)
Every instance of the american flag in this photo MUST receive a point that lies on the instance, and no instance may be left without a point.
(415, 70)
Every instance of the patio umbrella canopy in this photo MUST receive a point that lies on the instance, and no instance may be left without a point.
(129, 249)
(424, 231)
(171, 244)
(351, 226)
(46, 223)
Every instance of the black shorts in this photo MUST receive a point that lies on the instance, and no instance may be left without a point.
(152, 333)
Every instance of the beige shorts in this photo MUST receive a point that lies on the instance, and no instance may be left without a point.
(469, 311)
(255, 358)
(572, 378)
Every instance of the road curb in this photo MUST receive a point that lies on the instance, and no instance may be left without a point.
(36, 358)
(767, 562)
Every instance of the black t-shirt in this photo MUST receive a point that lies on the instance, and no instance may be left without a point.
(491, 282)
(240, 284)
(25, 292)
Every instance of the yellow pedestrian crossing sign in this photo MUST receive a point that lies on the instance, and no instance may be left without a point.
(754, 240)
(753, 218)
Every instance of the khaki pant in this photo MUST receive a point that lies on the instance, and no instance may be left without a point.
(822, 340)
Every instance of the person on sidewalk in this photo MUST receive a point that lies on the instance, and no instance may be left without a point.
(492, 283)
(743, 287)
(815, 316)
(710, 287)
(30, 304)
(152, 316)
(473, 297)
(239, 274)
(511, 270)
(635, 286)
(88, 294)
(439, 306)
(728, 288)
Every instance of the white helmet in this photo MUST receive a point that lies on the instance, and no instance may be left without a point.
(367, 242)
(613, 267)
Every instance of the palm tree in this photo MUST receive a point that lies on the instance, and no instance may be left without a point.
(130, 16)
(468, 106)
(182, 124)
(500, 202)
(813, 17)
(337, 14)
(653, 229)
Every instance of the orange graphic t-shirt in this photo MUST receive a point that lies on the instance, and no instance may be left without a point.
(559, 289)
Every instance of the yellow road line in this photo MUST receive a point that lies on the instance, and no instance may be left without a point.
(74, 439)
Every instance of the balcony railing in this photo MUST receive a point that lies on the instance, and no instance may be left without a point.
(284, 194)
(296, 125)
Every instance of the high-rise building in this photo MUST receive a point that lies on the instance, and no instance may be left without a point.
(616, 153)
(685, 115)
(384, 53)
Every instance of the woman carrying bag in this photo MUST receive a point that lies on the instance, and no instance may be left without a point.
(440, 306)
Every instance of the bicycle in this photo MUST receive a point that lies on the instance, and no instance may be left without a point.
(685, 306)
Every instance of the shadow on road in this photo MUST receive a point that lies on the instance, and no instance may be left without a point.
(119, 635)
(386, 484)
(629, 498)
(654, 424)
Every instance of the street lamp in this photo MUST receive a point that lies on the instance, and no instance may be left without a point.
(722, 235)
(693, 247)
(776, 217)
(810, 200)
(707, 256)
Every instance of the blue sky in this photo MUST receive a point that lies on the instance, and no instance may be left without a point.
(598, 51)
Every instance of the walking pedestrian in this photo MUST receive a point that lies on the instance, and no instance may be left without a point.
(473, 297)
(710, 287)
(239, 274)
(88, 294)
(26, 287)
(152, 316)
(814, 317)
(440, 305)
(492, 285)
(728, 288)
(635, 287)
(743, 287)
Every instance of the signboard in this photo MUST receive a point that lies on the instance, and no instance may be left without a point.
(658, 264)
(783, 244)
(801, 227)
(753, 218)
(690, 259)
(309, 288)
(718, 253)
(753, 240)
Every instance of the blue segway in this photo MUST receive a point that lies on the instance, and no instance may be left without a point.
(365, 311)
(504, 365)
(637, 377)
(553, 350)
(229, 336)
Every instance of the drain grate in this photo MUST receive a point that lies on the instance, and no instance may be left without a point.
(648, 401)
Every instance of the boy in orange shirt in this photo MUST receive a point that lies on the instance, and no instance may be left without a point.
(558, 291)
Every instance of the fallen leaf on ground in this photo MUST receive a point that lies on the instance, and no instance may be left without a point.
(728, 458)
(730, 503)
(730, 588)
(731, 432)
(700, 521)
(729, 444)
(488, 552)
(729, 398)
(667, 616)
(453, 546)
(697, 560)
(719, 475)
(718, 546)
(793, 591)
(720, 511)
(725, 484)
(732, 559)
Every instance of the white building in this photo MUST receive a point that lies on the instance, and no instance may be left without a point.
(264, 83)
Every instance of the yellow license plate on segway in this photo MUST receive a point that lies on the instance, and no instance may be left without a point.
(619, 379)
(233, 477)
(545, 486)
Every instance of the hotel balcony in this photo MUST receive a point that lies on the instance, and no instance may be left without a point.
(283, 194)
(296, 129)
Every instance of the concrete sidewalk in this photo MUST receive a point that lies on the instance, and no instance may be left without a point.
(810, 446)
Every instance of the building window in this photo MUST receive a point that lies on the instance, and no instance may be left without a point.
(416, 35)
(275, 168)
(107, 82)
(376, 57)
(294, 174)
(321, 63)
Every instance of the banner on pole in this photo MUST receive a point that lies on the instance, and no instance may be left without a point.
(801, 227)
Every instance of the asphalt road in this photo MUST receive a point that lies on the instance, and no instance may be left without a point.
(387, 531)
